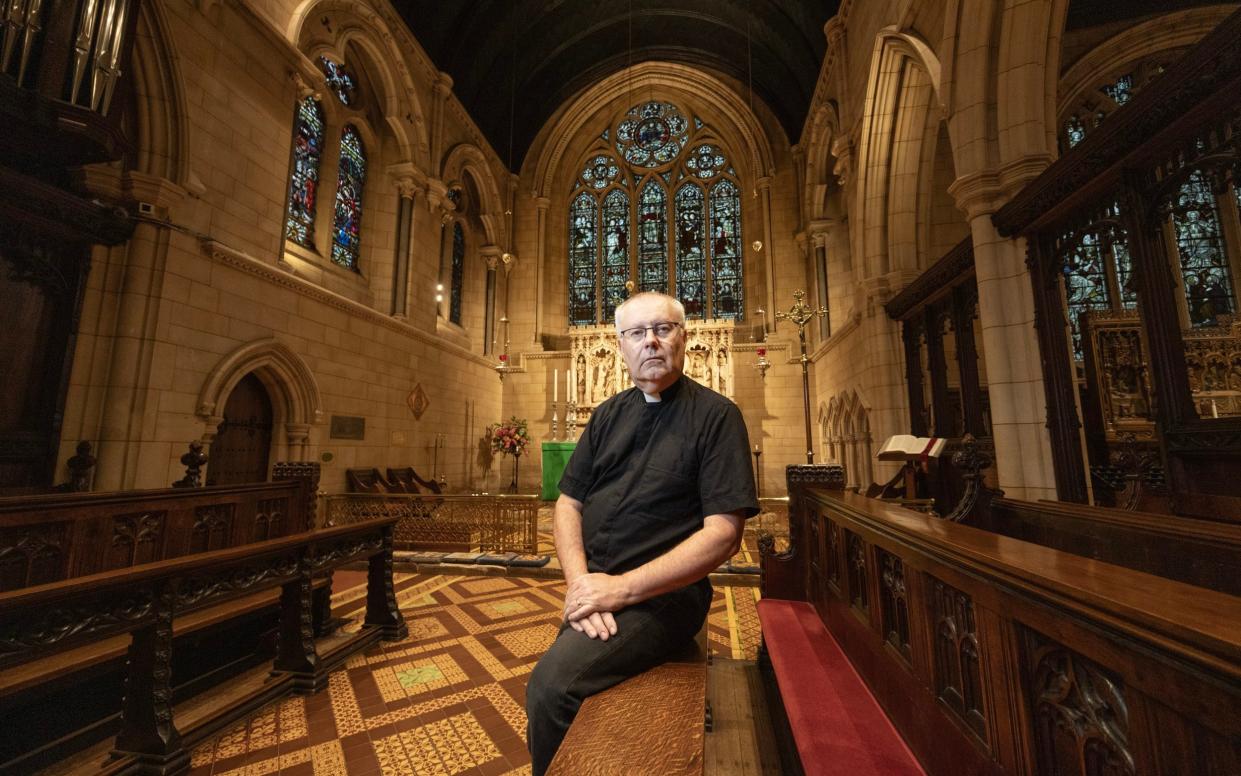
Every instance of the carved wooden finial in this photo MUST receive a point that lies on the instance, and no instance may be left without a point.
(194, 461)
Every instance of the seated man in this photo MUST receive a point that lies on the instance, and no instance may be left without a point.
(654, 497)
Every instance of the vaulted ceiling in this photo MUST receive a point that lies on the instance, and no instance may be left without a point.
(547, 50)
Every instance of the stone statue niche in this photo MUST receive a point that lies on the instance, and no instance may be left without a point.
(601, 371)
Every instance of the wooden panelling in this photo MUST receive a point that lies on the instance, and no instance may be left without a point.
(994, 655)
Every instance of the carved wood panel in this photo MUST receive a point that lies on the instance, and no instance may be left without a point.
(32, 555)
(136, 538)
(269, 518)
(1078, 710)
(894, 603)
(958, 667)
(833, 555)
(213, 525)
(859, 580)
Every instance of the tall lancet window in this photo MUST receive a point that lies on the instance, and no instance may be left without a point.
(351, 180)
(458, 272)
(656, 207)
(299, 221)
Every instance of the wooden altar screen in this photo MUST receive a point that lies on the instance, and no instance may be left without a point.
(1125, 181)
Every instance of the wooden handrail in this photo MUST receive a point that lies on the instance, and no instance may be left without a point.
(142, 601)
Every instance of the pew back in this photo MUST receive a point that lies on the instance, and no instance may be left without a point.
(994, 655)
(62, 536)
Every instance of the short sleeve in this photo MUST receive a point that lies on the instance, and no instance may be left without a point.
(725, 475)
(576, 479)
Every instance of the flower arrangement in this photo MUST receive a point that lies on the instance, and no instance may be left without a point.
(510, 438)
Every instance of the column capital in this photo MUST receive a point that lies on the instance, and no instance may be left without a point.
(542, 204)
(834, 30)
(763, 183)
(443, 85)
(819, 228)
(491, 255)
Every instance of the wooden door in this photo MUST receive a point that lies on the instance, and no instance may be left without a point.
(242, 443)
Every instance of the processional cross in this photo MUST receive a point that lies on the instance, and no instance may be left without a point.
(800, 315)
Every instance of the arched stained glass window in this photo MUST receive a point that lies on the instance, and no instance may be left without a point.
(691, 260)
(726, 288)
(458, 272)
(1204, 265)
(679, 232)
(1098, 273)
(299, 222)
(1085, 283)
(615, 251)
(653, 239)
(583, 241)
(339, 81)
(351, 180)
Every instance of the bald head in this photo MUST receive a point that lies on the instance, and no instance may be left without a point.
(645, 297)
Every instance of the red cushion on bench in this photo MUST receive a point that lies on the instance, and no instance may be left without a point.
(838, 725)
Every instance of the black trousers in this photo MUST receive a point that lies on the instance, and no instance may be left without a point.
(577, 666)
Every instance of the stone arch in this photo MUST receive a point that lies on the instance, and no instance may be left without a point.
(820, 163)
(1177, 29)
(163, 133)
(746, 135)
(903, 87)
(291, 386)
(375, 35)
(467, 159)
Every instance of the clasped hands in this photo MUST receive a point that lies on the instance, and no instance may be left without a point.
(590, 601)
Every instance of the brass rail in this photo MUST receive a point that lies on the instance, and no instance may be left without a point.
(490, 523)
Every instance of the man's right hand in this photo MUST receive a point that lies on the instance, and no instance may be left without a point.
(597, 625)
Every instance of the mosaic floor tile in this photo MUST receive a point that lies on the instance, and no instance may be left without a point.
(448, 699)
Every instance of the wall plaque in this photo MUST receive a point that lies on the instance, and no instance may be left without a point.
(348, 427)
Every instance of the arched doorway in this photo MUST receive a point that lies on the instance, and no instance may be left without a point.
(242, 446)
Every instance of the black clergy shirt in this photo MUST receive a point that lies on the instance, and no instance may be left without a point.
(647, 473)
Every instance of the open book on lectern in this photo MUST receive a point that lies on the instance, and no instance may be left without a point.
(904, 447)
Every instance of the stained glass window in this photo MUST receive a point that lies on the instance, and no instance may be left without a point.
(706, 161)
(652, 134)
(600, 171)
(653, 239)
(1085, 283)
(615, 251)
(691, 262)
(583, 240)
(339, 81)
(1204, 265)
(1121, 90)
(458, 272)
(347, 225)
(726, 292)
(688, 243)
(299, 223)
(1074, 132)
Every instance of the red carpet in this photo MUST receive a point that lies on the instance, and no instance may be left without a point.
(838, 725)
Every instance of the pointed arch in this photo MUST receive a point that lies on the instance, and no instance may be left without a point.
(163, 132)
(296, 402)
(467, 159)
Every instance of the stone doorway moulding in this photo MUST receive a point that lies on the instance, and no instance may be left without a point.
(296, 404)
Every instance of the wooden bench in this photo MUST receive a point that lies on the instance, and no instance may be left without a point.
(141, 605)
(655, 722)
(991, 655)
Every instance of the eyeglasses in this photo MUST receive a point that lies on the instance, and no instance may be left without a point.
(637, 335)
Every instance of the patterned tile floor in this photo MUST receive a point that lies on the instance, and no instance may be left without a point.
(447, 700)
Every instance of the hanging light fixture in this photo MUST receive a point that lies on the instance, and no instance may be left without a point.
(757, 245)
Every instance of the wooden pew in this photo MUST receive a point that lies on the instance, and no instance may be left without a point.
(655, 722)
(992, 655)
(60, 536)
(409, 481)
(1199, 552)
(142, 603)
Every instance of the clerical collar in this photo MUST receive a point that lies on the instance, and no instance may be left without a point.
(651, 398)
(666, 394)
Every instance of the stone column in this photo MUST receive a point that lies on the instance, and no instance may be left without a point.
(404, 241)
(1014, 371)
(491, 255)
(541, 205)
(127, 444)
(769, 268)
(818, 232)
(441, 90)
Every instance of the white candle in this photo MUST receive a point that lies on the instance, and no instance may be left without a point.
(573, 383)
(555, 385)
(1214, 409)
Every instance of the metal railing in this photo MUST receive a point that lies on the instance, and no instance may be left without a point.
(466, 523)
